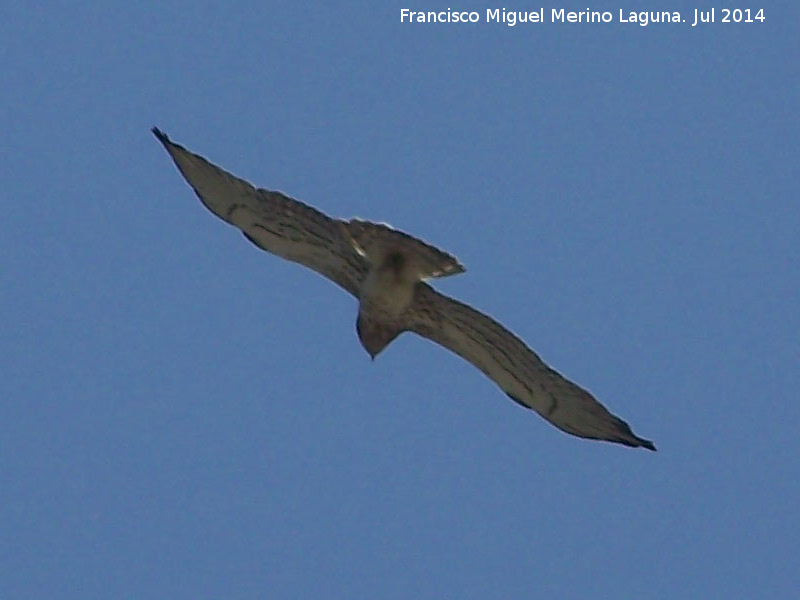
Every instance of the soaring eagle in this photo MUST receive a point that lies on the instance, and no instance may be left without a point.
(385, 269)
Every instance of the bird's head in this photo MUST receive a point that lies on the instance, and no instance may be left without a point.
(374, 335)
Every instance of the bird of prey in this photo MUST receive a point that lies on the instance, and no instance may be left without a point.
(386, 270)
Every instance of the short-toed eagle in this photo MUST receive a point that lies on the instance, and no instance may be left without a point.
(385, 270)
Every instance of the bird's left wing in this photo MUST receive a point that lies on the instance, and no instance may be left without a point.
(271, 220)
(519, 372)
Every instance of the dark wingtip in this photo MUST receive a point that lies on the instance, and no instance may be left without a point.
(166, 142)
(638, 442)
(631, 439)
(647, 444)
(162, 137)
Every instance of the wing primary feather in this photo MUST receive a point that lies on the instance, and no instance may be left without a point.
(517, 369)
(272, 220)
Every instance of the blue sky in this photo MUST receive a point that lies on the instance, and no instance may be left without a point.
(184, 416)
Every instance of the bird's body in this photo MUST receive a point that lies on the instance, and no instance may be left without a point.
(386, 269)
(388, 288)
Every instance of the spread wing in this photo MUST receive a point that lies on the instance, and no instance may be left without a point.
(273, 221)
(519, 372)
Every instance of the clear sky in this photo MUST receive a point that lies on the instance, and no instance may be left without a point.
(185, 416)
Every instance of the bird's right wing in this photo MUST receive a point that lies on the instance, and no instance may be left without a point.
(271, 220)
(519, 372)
